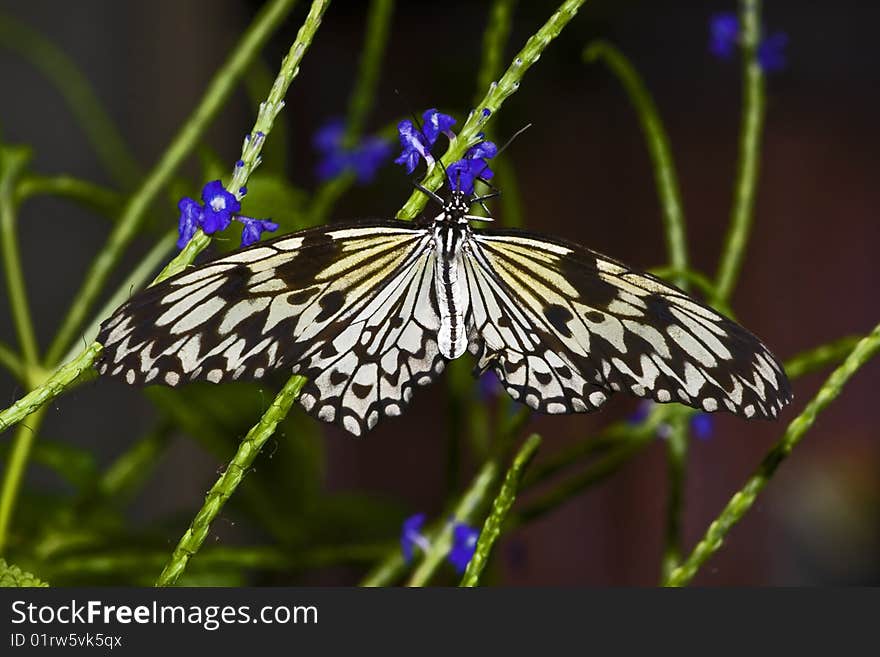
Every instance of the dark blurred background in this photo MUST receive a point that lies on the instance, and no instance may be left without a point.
(810, 276)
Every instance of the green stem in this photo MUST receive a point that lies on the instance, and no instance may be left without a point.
(12, 162)
(676, 466)
(657, 141)
(14, 472)
(228, 482)
(11, 361)
(76, 91)
(132, 467)
(139, 277)
(60, 380)
(495, 38)
(219, 90)
(822, 356)
(361, 101)
(492, 101)
(742, 501)
(95, 197)
(500, 507)
(751, 128)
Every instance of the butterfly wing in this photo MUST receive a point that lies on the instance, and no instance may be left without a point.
(351, 308)
(563, 326)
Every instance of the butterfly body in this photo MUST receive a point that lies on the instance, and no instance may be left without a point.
(368, 311)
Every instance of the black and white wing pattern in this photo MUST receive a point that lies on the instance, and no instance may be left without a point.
(353, 309)
(564, 327)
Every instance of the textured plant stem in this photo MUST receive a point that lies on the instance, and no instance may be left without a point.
(751, 127)
(76, 91)
(228, 482)
(495, 38)
(492, 101)
(12, 162)
(657, 141)
(743, 500)
(500, 507)
(219, 90)
(51, 388)
(94, 197)
(360, 104)
(14, 472)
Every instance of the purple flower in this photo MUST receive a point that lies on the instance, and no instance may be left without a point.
(368, 157)
(415, 146)
(190, 220)
(643, 410)
(702, 425)
(488, 385)
(464, 543)
(436, 123)
(724, 37)
(464, 172)
(365, 158)
(411, 536)
(254, 229)
(771, 52)
(329, 136)
(215, 213)
(723, 34)
(219, 206)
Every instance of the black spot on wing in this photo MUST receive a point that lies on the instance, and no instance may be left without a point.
(317, 252)
(559, 316)
(331, 303)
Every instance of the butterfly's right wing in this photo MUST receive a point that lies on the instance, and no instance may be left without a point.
(351, 308)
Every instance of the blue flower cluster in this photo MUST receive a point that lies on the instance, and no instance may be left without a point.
(216, 211)
(364, 159)
(724, 37)
(464, 541)
(417, 143)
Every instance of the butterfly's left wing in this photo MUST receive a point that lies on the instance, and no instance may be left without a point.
(563, 327)
(352, 308)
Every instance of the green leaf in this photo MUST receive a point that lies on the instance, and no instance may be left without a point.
(13, 576)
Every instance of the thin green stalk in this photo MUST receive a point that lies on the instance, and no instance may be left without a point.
(742, 501)
(141, 274)
(60, 70)
(492, 101)
(95, 197)
(228, 482)
(466, 510)
(219, 90)
(360, 103)
(253, 145)
(676, 466)
(12, 162)
(657, 141)
(500, 507)
(820, 357)
(14, 472)
(751, 128)
(495, 38)
(58, 382)
(133, 466)
(361, 100)
(217, 558)
(12, 362)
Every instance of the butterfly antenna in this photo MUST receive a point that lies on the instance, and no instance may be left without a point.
(514, 136)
